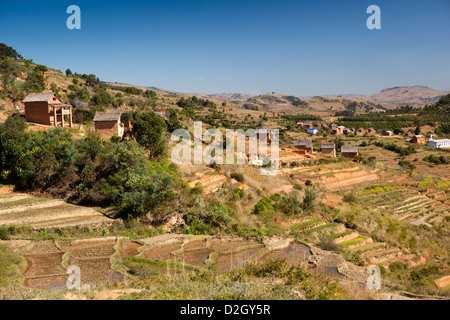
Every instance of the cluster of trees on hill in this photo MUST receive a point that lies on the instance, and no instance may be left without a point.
(393, 147)
(301, 117)
(404, 116)
(8, 52)
(132, 175)
(196, 103)
(12, 65)
(297, 102)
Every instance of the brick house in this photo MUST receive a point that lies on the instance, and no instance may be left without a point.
(409, 134)
(350, 152)
(418, 139)
(360, 132)
(308, 125)
(387, 133)
(108, 124)
(263, 133)
(371, 131)
(304, 145)
(328, 150)
(47, 108)
(337, 130)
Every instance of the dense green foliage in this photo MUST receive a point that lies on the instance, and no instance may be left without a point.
(296, 101)
(6, 51)
(393, 147)
(149, 129)
(91, 171)
(301, 117)
(436, 160)
(195, 103)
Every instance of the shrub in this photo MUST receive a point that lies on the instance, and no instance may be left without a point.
(238, 194)
(396, 266)
(4, 233)
(237, 176)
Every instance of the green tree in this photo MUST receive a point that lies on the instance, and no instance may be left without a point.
(148, 130)
(35, 82)
(309, 201)
(6, 51)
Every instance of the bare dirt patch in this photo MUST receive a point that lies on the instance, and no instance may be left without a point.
(162, 253)
(196, 257)
(129, 249)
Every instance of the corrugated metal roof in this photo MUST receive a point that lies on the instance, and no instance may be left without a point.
(440, 140)
(328, 146)
(39, 97)
(107, 116)
(349, 149)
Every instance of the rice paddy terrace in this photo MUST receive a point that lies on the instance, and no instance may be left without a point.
(370, 251)
(100, 260)
(408, 205)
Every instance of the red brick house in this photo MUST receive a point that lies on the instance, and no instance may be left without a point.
(304, 145)
(371, 131)
(108, 124)
(47, 108)
(328, 150)
(418, 139)
(387, 133)
(360, 132)
(350, 152)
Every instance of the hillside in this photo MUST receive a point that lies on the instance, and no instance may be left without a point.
(279, 103)
(408, 95)
(232, 96)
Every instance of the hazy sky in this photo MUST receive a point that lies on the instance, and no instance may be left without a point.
(302, 48)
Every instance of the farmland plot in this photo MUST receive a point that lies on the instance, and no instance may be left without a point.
(40, 213)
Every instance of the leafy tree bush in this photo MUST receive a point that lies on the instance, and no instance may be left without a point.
(436, 160)
(237, 176)
(35, 82)
(149, 130)
(102, 99)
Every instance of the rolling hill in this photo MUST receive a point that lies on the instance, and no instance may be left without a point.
(407, 95)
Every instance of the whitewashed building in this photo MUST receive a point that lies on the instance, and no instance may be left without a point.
(441, 143)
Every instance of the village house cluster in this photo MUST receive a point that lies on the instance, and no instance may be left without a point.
(328, 149)
(48, 109)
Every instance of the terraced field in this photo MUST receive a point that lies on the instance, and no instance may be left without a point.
(40, 213)
(314, 229)
(343, 178)
(406, 204)
(47, 261)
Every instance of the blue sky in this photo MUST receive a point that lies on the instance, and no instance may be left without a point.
(302, 48)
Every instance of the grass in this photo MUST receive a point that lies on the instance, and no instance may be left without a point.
(337, 235)
(330, 225)
(305, 224)
(350, 241)
(23, 202)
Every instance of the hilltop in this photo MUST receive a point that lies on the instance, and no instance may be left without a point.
(407, 95)
(280, 103)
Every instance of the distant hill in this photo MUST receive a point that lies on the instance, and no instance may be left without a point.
(316, 105)
(225, 96)
(407, 95)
